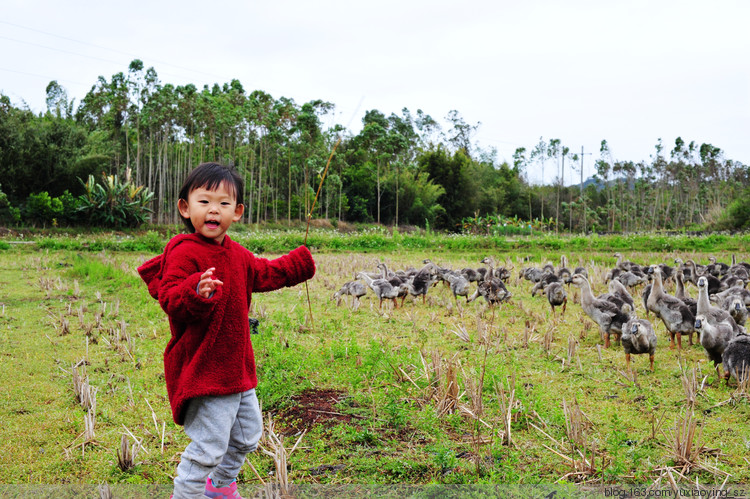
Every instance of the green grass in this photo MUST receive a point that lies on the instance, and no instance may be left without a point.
(388, 429)
(379, 239)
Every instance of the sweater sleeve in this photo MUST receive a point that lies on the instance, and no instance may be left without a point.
(177, 291)
(293, 268)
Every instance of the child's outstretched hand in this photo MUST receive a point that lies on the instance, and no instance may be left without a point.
(207, 285)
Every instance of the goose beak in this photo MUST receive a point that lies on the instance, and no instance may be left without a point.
(697, 324)
(737, 307)
(634, 329)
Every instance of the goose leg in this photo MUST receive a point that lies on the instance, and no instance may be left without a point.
(679, 341)
(671, 340)
(606, 341)
(395, 303)
(651, 359)
(565, 305)
(627, 361)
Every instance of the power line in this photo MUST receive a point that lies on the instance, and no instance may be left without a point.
(99, 47)
(65, 80)
(60, 50)
(48, 78)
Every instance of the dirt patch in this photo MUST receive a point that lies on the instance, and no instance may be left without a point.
(313, 407)
(321, 223)
(344, 227)
(409, 229)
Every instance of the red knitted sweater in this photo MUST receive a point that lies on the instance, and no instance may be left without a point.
(210, 352)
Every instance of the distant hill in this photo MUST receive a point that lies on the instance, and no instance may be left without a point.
(596, 182)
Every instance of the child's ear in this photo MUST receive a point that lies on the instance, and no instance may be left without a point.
(238, 211)
(182, 205)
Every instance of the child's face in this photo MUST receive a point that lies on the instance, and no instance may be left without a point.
(211, 212)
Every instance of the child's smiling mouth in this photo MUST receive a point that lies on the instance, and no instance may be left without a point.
(212, 224)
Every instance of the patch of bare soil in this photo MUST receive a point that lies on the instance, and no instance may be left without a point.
(344, 227)
(313, 407)
(321, 223)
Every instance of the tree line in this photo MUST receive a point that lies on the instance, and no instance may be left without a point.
(134, 134)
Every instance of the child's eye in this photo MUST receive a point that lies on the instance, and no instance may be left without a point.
(226, 204)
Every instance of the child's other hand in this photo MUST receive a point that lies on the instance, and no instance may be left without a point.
(207, 285)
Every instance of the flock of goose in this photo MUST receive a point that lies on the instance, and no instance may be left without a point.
(389, 285)
(718, 315)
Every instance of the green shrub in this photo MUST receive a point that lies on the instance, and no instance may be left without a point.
(8, 213)
(70, 208)
(114, 203)
(42, 209)
(737, 214)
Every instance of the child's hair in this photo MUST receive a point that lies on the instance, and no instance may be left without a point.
(210, 176)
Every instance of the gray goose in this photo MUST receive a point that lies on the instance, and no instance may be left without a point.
(714, 314)
(607, 315)
(618, 290)
(397, 281)
(722, 296)
(638, 337)
(715, 337)
(556, 296)
(716, 268)
(457, 282)
(736, 358)
(383, 289)
(422, 281)
(564, 272)
(546, 279)
(533, 274)
(736, 308)
(631, 279)
(714, 284)
(579, 270)
(491, 288)
(675, 315)
(682, 294)
(355, 289)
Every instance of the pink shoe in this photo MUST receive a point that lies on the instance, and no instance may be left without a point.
(227, 492)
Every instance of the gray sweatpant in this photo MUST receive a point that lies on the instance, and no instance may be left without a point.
(222, 430)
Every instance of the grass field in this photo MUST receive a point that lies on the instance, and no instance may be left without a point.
(441, 392)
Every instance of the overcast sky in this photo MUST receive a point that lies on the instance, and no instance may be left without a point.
(630, 72)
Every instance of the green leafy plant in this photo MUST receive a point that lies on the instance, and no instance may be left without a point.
(115, 203)
(42, 209)
(8, 213)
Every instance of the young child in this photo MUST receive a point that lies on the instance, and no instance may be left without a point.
(204, 282)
